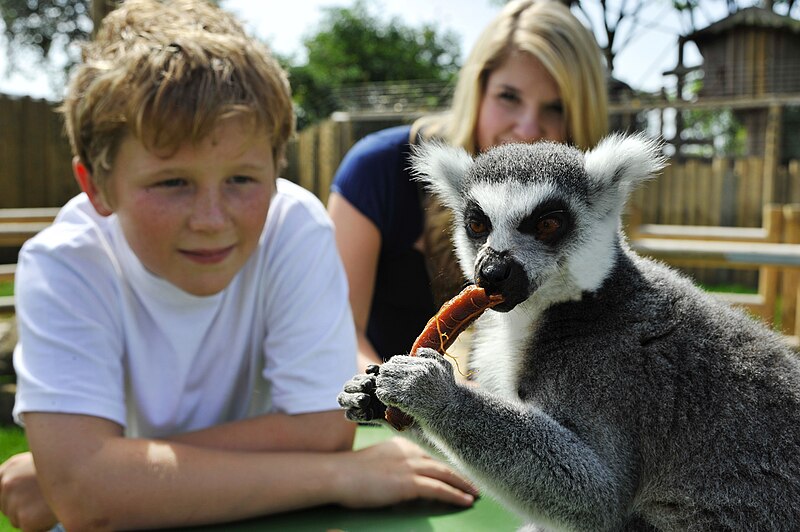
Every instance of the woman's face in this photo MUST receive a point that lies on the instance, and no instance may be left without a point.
(521, 103)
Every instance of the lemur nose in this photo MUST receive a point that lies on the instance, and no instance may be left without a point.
(495, 271)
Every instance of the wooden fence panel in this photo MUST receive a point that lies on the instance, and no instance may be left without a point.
(793, 182)
(35, 157)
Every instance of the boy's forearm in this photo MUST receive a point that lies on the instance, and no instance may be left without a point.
(321, 432)
(102, 480)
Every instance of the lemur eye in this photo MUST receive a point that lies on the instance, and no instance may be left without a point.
(477, 228)
(547, 224)
(550, 226)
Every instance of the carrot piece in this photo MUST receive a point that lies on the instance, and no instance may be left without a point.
(442, 330)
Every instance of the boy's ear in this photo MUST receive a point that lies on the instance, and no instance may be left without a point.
(96, 196)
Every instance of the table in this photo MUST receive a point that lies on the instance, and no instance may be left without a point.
(419, 516)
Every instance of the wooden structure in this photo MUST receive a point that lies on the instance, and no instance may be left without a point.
(773, 249)
(17, 226)
(754, 54)
(35, 157)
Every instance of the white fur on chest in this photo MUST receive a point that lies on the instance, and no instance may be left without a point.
(499, 348)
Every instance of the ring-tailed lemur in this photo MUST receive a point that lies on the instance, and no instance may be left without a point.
(613, 394)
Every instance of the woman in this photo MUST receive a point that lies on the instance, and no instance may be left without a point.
(535, 73)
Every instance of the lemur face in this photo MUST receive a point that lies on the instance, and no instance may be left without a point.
(521, 217)
(537, 218)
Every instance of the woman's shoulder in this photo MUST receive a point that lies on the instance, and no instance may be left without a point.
(380, 145)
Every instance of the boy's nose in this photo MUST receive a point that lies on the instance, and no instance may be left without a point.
(209, 212)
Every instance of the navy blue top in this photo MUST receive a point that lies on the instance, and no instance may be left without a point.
(375, 178)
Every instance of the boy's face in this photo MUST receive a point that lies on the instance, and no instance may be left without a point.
(194, 217)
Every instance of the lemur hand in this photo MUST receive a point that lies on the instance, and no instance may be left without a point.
(418, 385)
(358, 397)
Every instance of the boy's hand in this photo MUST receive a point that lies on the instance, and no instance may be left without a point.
(21, 500)
(395, 471)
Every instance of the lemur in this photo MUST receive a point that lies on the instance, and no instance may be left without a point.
(613, 394)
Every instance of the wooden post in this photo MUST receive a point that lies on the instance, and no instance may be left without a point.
(790, 293)
(772, 153)
(768, 276)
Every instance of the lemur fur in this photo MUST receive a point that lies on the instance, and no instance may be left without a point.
(613, 393)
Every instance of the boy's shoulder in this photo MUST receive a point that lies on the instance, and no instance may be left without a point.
(293, 197)
(77, 221)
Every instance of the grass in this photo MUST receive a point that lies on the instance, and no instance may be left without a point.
(6, 288)
(12, 441)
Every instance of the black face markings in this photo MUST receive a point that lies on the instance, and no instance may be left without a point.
(476, 223)
(549, 222)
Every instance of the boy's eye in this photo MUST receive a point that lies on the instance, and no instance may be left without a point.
(171, 183)
(241, 179)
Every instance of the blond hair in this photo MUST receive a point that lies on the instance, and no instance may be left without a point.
(547, 30)
(167, 73)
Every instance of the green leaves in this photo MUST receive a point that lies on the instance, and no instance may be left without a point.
(352, 46)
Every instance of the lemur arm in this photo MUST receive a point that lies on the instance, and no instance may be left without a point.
(524, 456)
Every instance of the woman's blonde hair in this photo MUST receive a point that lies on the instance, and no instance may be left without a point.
(167, 73)
(547, 30)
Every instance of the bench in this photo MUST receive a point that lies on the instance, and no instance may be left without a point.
(773, 249)
(17, 226)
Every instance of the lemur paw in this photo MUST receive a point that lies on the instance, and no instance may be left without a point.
(416, 384)
(359, 400)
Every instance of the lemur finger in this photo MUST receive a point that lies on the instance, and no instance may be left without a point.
(360, 383)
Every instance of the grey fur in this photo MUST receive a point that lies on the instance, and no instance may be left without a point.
(614, 395)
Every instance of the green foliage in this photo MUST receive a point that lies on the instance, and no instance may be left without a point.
(352, 46)
(41, 24)
(727, 134)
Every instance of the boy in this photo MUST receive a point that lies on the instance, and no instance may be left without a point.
(184, 324)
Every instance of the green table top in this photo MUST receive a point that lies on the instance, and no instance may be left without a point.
(418, 516)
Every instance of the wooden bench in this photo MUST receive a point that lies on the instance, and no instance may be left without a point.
(774, 249)
(17, 226)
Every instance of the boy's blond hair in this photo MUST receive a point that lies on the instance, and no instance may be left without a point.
(167, 73)
(547, 30)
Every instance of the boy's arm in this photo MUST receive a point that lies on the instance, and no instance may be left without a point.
(93, 477)
(319, 431)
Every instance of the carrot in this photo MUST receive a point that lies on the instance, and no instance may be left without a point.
(442, 330)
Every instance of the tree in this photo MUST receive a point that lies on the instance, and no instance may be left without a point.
(46, 28)
(352, 47)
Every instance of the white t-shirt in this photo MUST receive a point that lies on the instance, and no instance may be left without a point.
(100, 335)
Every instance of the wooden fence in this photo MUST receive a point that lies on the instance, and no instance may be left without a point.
(714, 193)
(35, 157)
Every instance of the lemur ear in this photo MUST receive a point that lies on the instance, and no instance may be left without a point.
(624, 160)
(442, 168)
